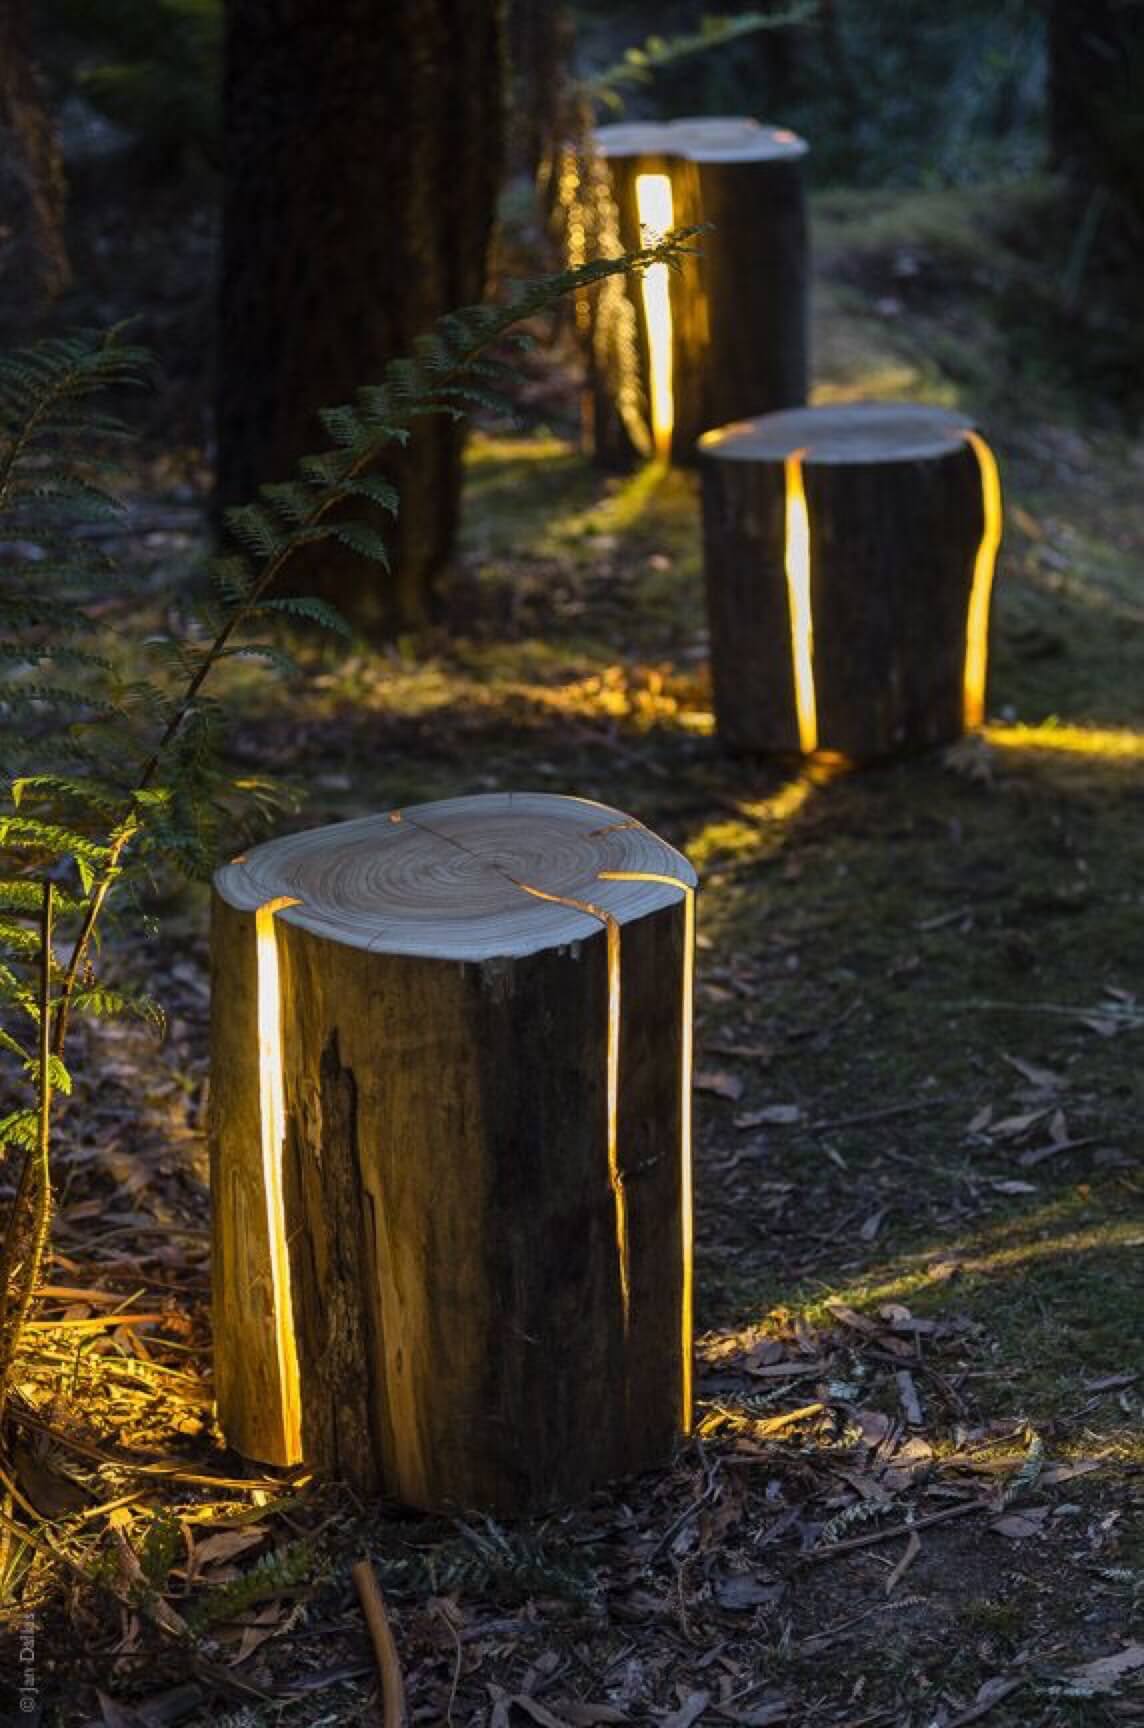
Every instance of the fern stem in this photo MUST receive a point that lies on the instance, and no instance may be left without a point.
(37, 1167)
(541, 294)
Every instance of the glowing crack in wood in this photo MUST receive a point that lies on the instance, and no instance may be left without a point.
(272, 1126)
(615, 1174)
(977, 625)
(654, 209)
(797, 559)
(687, 1044)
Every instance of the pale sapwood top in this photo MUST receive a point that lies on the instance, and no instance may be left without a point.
(448, 880)
(848, 432)
(728, 138)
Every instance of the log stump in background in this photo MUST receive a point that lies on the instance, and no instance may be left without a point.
(849, 555)
(450, 1150)
(725, 336)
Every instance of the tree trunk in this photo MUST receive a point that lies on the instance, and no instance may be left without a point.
(849, 557)
(738, 339)
(363, 150)
(452, 1198)
(33, 255)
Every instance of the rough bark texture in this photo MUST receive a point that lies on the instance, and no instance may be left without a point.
(756, 277)
(457, 1300)
(740, 309)
(363, 149)
(33, 255)
(894, 535)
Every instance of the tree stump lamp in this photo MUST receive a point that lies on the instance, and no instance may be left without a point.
(726, 335)
(451, 1151)
(849, 555)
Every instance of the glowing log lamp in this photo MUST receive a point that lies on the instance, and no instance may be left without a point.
(726, 335)
(849, 555)
(451, 1150)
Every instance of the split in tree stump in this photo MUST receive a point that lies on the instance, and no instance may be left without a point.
(450, 1142)
(726, 335)
(849, 555)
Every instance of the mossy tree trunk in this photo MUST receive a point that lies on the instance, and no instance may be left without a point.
(363, 152)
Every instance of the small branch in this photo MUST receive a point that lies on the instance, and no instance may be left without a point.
(915, 1105)
(847, 1547)
(393, 1711)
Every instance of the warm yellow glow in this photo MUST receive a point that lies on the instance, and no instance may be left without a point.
(615, 1174)
(977, 627)
(798, 597)
(272, 1119)
(686, 1198)
(1114, 745)
(655, 212)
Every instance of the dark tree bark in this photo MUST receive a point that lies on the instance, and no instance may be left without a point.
(1096, 63)
(33, 256)
(362, 152)
(540, 41)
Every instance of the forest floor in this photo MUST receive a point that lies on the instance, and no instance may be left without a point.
(916, 1495)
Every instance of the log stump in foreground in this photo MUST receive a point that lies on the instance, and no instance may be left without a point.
(849, 555)
(726, 335)
(450, 1148)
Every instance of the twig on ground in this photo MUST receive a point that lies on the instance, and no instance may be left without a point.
(852, 1542)
(860, 1116)
(393, 1712)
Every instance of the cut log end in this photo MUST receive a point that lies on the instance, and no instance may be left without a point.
(471, 879)
(729, 138)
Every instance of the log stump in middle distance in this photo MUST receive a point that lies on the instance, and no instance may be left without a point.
(726, 335)
(849, 555)
(451, 1054)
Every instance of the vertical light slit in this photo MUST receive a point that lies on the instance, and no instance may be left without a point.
(654, 209)
(272, 1122)
(615, 1174)
(977, 624)
(687, 1042)
(798, 598)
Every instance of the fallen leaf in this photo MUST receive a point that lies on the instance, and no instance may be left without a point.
(980, 1121)
(1018, 1526)
(588, 1715)
(988, 1695)
(1066, 1472)
(1042, 1077)
(117, 1715)
(870, 1228)
(1104, 1674)
(741, 1591)
(1012, 1127)
(216, 1550)
(722, 1084)
(764, 1354)
(689, 1711)
(859, 1322)
(539, 1713)
(911, 1403)
(746, 1052)
(773, 1115)
(1109, 1382)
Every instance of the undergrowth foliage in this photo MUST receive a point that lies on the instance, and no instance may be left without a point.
(111, 745)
